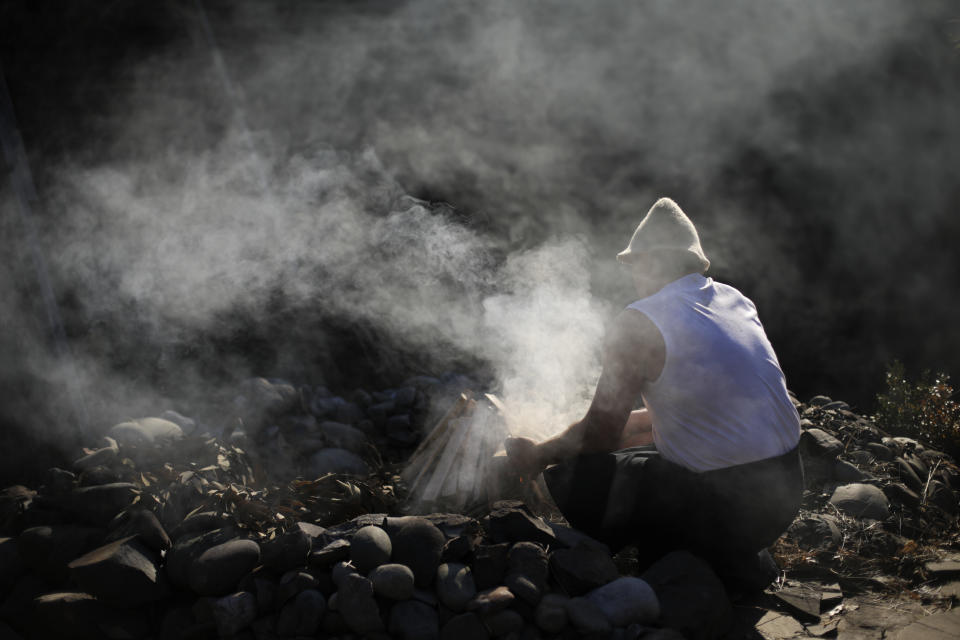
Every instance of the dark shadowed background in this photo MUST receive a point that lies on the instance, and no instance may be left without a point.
(348, 193)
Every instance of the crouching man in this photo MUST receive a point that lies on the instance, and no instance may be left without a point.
(710, 464)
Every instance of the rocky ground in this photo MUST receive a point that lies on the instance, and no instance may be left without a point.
(289, 520)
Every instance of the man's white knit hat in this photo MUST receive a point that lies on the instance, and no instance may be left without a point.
(665, 228)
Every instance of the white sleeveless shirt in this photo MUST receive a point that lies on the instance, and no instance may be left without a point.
(721, 399)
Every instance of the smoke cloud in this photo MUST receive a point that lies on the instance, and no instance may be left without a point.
(275, 169)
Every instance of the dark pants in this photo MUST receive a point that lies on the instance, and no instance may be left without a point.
(634, 496)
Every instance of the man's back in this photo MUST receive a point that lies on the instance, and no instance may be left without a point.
(721, 398)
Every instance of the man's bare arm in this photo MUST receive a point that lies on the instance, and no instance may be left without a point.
(634, 355)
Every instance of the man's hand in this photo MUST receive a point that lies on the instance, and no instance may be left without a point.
(524, 456)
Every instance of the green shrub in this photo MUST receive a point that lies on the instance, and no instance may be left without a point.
(923, 409)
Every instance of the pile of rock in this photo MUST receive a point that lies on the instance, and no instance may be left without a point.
(167, 531)
(878, 497)
(308, 431)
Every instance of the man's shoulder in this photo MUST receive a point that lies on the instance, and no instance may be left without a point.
(634, 330)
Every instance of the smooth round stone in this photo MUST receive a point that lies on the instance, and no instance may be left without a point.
(551, 614)
(413, 620)
(844, 471)
(335, 460)
(145, 431)
(626, 600)
(418, 544)
(218, 569)
(340, 571)
(466, 626)
(356, 604)
(370, 547)
(393, 581)
(234, 613)
(861, 501)
(455, 586)
(491, 600)
(586, 617)
(301, 616)
(503, 622)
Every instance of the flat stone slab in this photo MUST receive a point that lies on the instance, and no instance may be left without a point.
(780, 626)
(943, 568)
(802, 599)
(939, 626)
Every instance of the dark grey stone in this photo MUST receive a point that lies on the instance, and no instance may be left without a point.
(356, 604)
(862, 457)
(176, 624)
(861, 501)
(123, 572)
(844, 471)
(568, 538)
(899, 493)
(909, 475)
(551, 613)
(287, 551)
(510, 522)
(48, 550)
(418, 544)
(455, 586)
(491, 600)
(302, 615)
(104, 456)
(313, 530)
(819, 443)
(490, 564)
(466, 626)
(343, 436)
(292, 583)
(399, 431)
(335, 460)
(369, 548)
(453, 524)
(503, 623)
(348, 413)
(219, 569)
(918, 465)
(234, 613)
(692, 599)
(626, 600)
(199, 523)
(836, 405)
(143, 524)
(393, 581)
(881, 452)
(11, 565)
(456, 549)
(341, 570)
(69, 615)
(413, 620)
(145, 432)
(97, 505)
(943, 498)
(335, 552)
(586, 617)
(57, 481)
(186, 549)
(582, 569)
(816, 531)
(527, 571)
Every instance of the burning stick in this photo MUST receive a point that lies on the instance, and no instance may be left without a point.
(462, 462)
